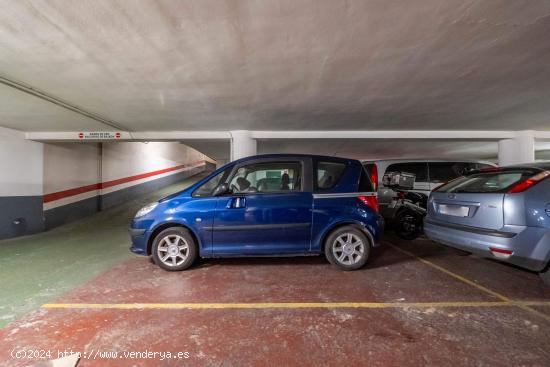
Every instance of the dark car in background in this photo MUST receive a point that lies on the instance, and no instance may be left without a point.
(429, 174)
(270, 205)
(499, 213)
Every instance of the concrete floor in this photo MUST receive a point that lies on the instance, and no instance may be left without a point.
(416, 303)
(37, 269)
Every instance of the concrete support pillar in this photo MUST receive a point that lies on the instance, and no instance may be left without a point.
(518, 150)
(242, 145)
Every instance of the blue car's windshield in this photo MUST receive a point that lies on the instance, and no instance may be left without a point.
(210, 179)
(209, 186)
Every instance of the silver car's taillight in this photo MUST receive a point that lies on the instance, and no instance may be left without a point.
(530, 182)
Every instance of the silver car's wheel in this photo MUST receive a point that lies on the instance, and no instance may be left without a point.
(173, 250)
(348, 249)
(545, 275)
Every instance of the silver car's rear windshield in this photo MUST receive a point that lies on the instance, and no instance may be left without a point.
(488, 182)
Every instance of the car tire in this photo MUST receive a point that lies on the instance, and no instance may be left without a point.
(545, 275)
(174, 249)
(403, 223)
(347, 248)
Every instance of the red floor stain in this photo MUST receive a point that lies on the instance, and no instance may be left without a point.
(276, 280)
(289, 337)
(294, 337)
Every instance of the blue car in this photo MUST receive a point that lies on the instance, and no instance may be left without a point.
(267, 205)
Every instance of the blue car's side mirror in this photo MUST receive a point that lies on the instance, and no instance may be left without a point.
(221, 190)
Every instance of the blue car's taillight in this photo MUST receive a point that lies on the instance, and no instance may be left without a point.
(370, 201)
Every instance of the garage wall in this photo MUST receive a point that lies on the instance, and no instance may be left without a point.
(72, 177)
(131, 169)
(21, 177)
(81, 179)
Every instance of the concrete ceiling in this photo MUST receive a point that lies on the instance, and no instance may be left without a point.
(23, 111)
(380, 149)
(370, 150)
(274, 65)
(282, 65)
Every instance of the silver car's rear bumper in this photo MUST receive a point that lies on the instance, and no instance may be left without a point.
(530, 246)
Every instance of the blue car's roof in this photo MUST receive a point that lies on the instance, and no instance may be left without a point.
(282, 155)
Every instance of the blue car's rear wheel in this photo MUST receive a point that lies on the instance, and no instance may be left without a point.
(174, 249)
(347, 248)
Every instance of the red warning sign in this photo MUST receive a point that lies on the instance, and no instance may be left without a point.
(99, 135)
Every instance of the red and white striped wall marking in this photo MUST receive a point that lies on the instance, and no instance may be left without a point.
(60, 198)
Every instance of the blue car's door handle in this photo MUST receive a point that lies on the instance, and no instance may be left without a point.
(236, 203)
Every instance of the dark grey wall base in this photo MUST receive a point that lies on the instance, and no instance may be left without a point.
(27, 211)
(70, 212)
(121, 196)
(20, 215)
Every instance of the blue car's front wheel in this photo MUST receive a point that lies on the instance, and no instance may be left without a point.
(174, 249)
(347, 248)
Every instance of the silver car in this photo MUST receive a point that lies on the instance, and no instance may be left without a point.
(500, 213)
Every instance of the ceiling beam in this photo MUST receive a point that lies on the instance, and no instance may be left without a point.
(485, 135)
(388, 134)
(57, 136)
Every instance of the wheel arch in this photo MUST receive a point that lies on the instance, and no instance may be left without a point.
(167, 225)
(336, 226)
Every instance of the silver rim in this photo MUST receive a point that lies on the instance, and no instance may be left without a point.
(348, 249)
(173, 250)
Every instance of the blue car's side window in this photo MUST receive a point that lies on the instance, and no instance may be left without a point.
(328, 174)
(268, 177)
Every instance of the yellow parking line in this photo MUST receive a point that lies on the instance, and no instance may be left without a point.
(504, 301)
(522, 305)
(454, 275)
(290, 305)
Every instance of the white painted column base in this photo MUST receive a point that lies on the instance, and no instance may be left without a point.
(242, 144)
(518, 150)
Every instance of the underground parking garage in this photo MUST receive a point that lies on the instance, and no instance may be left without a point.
(247, 183)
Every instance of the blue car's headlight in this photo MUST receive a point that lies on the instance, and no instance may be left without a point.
(146, 209)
